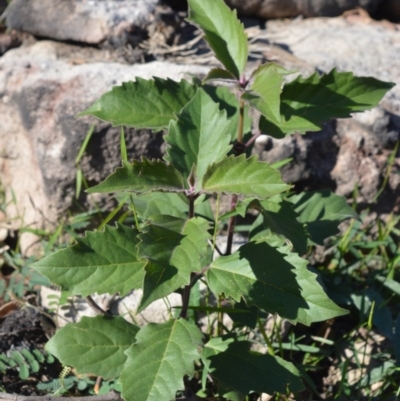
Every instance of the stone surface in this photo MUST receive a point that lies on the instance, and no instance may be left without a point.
(40, 96)
(87, 21)
(308, 8)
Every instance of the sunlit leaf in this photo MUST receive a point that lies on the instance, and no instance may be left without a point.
(223, 32)
(199, 137)
(238, 175)
(307, 103)
(161, 356)
(265, 92)
(102, 262)
(95, 345)
(228, 101)
(143, 103)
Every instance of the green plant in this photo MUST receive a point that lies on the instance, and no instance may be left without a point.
(172, 245)
(26, 361)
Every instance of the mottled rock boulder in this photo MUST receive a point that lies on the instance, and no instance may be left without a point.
(40, 96)
(87, 21)
(308, 8)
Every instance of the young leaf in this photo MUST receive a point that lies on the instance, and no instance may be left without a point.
(306, 103)
(161, 356)
(141, 177)
(100, 262)
(279, 217)
(238, 175)
(223, 32)
(200, 137)
(227, 358)
(174, 248)
(274, 280)
(321, 212)
(219, 74)
(143, 104)
(95, 345)
(265, 91)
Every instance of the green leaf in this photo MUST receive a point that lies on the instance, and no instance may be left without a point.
(238, 175)
(141, 177)
(265, 91)
(171, 204)
(321, 212)
(100, 262)
(229, 102)
(174, 248)
(227, 359)
(307, 103)
(219, 74)
(161, 356)
(279, 217)
(274, 280)
(199, 138)
(223, 32)
(95, 345)
(143, 104)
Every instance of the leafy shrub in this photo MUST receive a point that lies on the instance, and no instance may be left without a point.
(172, 245)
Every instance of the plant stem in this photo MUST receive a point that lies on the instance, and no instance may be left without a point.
(186, 290)
(98, 310)
(238, 151)
(241, 121)
(231, 226)
(265, 336)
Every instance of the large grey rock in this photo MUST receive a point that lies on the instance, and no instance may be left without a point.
(88, 21)
(292, 8)
(40, 96)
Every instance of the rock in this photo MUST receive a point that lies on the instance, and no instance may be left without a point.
(292, 8)
(8, 41)
(87, 21)
(353, 152)
(40, 96)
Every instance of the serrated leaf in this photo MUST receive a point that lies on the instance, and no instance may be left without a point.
(265, 91)
(229, 102)
(161, 356)
(141, 177)
(279, 217)
(95, 345)
(219, 74)
(102, 262)
(276, 281)
(143, 103)
(223, 32)
(174, 248)
(200, 137)
(227, 359)
(322, 212)
(238, 175)
(307, 103)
